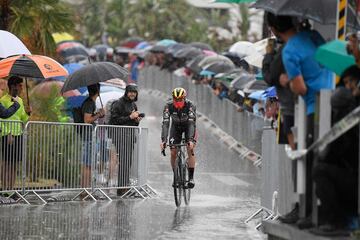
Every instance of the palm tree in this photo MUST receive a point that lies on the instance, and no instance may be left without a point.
(35, 20)
(4, 19)
(91, 19)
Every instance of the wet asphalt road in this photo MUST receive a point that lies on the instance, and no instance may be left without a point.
(226, 193)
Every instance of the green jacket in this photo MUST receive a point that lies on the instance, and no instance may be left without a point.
(14, 128)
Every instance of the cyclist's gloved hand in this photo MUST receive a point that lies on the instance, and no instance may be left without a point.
(162, 146)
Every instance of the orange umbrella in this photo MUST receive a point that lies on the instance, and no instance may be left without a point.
(34, 66)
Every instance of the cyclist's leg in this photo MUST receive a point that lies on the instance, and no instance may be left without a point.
(191, 159)
(174, 138)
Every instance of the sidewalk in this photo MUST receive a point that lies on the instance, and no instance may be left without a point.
(277, 230)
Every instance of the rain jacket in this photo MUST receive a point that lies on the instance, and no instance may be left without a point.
(19, 115)
(185, 117)
(120, 111)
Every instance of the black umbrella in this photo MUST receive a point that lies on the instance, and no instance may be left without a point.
(193, 65)
(74, 51)
(255, 85)
(230, 75)
(219, 67)
(322, 11)
(94, 73)
(240, 81)
(212, 59)
(172, 49)
(188, 53)
(158, 49)
(202, 46)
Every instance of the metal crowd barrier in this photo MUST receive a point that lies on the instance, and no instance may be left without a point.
(120, 160)
(11, 155)
(57, 156)
(46, 157)
(244, 127)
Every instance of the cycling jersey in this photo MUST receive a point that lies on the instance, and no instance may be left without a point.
(182, 121)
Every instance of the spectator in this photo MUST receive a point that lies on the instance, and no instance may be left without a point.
(306, 77)
(274, 74)
(350, 80)
(336, 174)
(248, 103)
(259, 109)
(11, 133)
(220, 90)
(109, 55)
(125, 112)
(150, 59)
(134, 66)
(92, 55)
(89, 116)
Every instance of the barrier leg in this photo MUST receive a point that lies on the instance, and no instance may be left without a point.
(88, 195)
(102, 192)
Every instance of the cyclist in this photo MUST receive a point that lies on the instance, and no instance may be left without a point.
(182, 113)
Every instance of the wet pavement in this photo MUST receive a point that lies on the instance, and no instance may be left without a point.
(226, 193)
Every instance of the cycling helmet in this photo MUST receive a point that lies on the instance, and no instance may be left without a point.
(179, 93)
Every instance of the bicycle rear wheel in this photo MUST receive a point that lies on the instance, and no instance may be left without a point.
(187, 191)
(177, 187)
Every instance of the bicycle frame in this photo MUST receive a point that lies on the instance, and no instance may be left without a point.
(180, 174)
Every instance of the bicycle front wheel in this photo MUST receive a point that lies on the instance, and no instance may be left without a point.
(187, 190)
(177, 187)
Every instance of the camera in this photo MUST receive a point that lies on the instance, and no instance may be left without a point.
(141, 115)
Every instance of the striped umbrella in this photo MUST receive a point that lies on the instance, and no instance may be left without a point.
(33, 66)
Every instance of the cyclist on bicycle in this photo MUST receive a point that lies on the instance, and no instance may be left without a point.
(183, 115)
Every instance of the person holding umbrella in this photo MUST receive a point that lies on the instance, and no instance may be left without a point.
(11, 133)
(87, 76)
(89, 116)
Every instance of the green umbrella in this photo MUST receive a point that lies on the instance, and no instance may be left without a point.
(334, 56)
(235, 1)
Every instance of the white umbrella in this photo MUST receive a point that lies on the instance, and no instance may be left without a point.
(10, 45)
(256, 58)
(211, 59)
(261, 45)
(108, 97)
(243, 48)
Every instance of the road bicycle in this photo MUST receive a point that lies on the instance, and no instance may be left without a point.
(181, 174)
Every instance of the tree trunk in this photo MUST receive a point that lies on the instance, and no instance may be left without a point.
(5, 12)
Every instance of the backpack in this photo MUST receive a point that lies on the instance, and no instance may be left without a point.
(77, 115)
(111, 108)
(78, 118)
